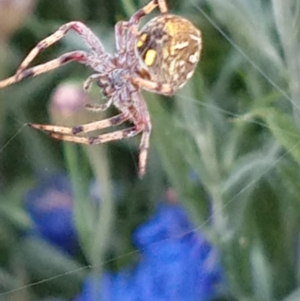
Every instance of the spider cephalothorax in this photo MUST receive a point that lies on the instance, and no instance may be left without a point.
(159, 58)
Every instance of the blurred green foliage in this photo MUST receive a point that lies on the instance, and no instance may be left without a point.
(234, 126)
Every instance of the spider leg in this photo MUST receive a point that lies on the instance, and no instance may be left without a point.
(79, 56)
(118, 135)
(97, 108)
(152, 86)
(120, 35)
(125, 41)
(88, 82)
(105, 91)
(103, 82)
(147, 9)
(88, 37)
(122, 26)
(162, 5)
(144, 149)
(97, 125)
(144, 123)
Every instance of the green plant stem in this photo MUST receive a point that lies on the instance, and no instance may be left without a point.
(105, 217)
(82, 210)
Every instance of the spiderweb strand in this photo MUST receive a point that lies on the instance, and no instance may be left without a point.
(247, 57)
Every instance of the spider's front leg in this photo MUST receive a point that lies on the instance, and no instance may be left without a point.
(147, 9)
(90, 39)
(79, 56)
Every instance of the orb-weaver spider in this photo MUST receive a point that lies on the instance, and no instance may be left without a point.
(159, 58)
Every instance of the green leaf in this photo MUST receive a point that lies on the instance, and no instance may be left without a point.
(283, 128)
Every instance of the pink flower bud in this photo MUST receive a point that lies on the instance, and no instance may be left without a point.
(67, 105)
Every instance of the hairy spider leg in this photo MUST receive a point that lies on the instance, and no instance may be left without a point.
(90, 39)
(89, 127)
(81, 57)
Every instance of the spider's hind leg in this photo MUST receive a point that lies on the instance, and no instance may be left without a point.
(89, 127)
(144, 149)
(114, 136)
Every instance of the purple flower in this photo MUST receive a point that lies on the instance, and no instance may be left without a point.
(177, 263)
(50, 206)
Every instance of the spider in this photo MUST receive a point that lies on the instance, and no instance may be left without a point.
(159, 58)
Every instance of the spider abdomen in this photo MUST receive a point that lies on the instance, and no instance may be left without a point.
(169, 47)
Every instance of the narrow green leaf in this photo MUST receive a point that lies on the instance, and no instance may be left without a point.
(283, 128)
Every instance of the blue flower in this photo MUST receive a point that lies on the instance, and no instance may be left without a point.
(50, 206)
(177, 263)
